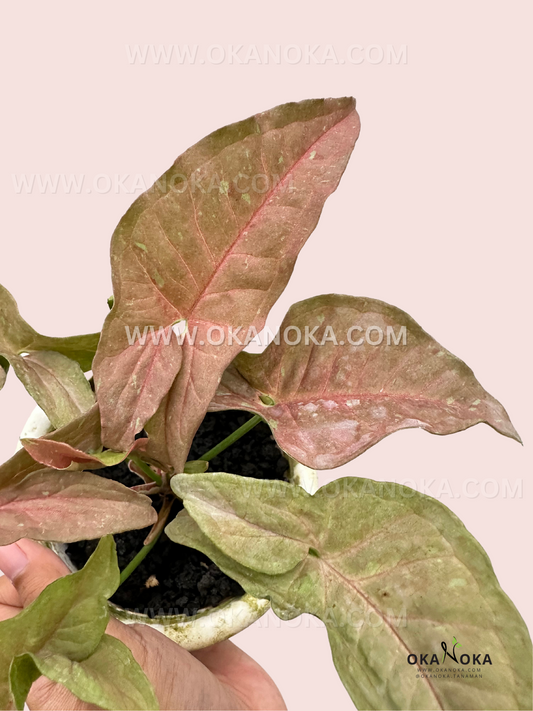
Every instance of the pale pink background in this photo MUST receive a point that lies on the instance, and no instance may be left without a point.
(431, 214)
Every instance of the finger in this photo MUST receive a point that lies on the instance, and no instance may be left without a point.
(8, 594)
(30, 567)
(242, 674)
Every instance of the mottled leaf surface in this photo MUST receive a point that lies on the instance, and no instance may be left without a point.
(391, 573)
(131, 384)
(332, 400)
(48, 367)
(198, 246)
(62, 635)
(56, 383)
(69, 506)
(110, 678)
(83, 433)
(68, 618)
(60, 455)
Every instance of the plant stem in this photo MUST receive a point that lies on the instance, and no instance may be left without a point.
(145, 468)
(220, 447)
(141, 555)
(233, 437)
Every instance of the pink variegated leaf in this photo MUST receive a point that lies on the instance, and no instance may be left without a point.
(60, 455)
(84, 434)
(131, 379)
(200, 246)
(328, 400)
(69, 506)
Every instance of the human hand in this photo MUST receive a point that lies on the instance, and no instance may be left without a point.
(219, 677)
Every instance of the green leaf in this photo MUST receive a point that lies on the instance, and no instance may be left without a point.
(69, 617)
(110, 678)
(196, 248)
(69, 506)
(22, 673)
(62, 635)
(56, 383)
(45, 365)
(328, 400)
(391, 573)
(82, 349)
(17, 336)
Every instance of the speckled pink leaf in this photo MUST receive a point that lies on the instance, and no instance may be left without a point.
(331, 402)
(60, 455)
(200, 247)
(84, 433)
(69, 506)
(132, 379)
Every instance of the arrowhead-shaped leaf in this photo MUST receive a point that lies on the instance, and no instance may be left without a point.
(391, 573)
(69, 506)
(62, 635)
(198, 247)
(17, 336)
(329, 400)
(60, 455)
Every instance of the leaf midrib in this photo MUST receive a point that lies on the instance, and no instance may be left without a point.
(386, 622)
(272, 192)
(217, 266)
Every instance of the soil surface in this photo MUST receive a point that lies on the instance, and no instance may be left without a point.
(174, 579)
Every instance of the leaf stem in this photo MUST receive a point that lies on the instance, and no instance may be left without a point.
(159, 526)
(141, 555)
(145, 468)
(230, 439)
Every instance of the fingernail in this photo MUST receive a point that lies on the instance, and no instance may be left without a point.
(13, 560)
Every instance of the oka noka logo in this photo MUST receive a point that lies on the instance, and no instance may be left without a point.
(431, 659)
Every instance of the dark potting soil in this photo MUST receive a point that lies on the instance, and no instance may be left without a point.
(174, 579)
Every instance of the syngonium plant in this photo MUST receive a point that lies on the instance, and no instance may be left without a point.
(392, 573)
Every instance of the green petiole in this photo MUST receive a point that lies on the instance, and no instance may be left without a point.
(145, 468)
(232, 438)
(220, 447)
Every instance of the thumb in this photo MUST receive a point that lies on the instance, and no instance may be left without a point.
(30, 567)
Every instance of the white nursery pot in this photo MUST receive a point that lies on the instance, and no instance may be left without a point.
(208, 626)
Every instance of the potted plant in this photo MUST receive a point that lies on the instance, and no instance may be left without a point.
(197, 261)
